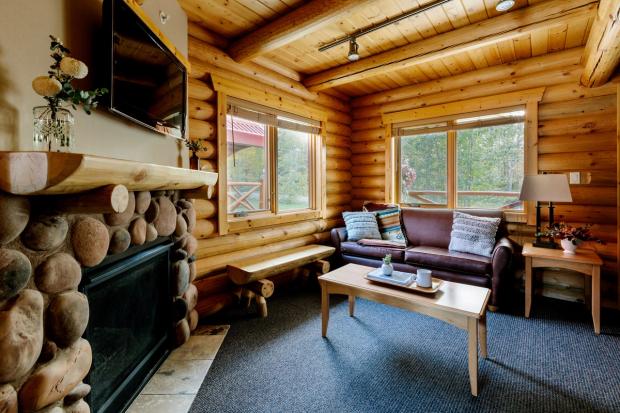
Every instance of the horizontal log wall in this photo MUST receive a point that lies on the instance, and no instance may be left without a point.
(577, 133)
(214, 252)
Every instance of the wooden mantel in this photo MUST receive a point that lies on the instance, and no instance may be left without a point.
(47, 173)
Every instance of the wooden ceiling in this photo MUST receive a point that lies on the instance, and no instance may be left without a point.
(234, 19)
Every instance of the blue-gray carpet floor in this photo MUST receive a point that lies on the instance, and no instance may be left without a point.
(390, 360)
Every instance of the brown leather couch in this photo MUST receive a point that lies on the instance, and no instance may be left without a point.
(428, 236)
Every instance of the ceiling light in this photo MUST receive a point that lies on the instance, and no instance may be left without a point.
(504, 5)
(353, 48)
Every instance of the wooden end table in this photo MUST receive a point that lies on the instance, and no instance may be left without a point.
(461, 305)
(584, 261)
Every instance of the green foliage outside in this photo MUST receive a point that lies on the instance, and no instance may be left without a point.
(427, 156)
(488, 159)
(293, 170)
(250, 165)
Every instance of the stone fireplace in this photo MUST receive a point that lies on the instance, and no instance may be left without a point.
(92, 275)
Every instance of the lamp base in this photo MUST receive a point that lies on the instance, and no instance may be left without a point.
(545, 244)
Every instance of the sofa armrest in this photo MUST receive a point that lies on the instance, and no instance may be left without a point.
(502, 263)
(338, 235)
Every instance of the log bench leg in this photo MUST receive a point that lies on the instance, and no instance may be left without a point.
(321, 266)
(246, 298)
(261, 302)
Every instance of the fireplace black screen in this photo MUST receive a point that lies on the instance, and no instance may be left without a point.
(130, 323)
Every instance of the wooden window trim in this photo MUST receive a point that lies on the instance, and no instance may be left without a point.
(436, 113)
(227, 223)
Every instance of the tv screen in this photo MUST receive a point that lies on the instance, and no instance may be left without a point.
(147, 82)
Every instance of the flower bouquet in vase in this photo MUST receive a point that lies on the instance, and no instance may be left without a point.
(570, 237)
(53, 123)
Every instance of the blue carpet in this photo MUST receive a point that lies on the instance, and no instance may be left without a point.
(391, 360)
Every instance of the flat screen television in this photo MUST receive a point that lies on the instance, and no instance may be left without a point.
(147, 82)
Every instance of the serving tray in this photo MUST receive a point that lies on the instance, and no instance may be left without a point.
(400, 281)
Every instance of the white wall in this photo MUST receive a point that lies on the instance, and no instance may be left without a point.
(24, 54)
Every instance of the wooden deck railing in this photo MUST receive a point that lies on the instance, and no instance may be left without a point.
(239, 193)
(420, 196)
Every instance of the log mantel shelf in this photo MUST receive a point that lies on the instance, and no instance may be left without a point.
(49, 173)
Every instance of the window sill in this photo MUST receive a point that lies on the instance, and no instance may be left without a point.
(249, 223)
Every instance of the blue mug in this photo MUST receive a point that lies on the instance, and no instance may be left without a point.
(423, 278)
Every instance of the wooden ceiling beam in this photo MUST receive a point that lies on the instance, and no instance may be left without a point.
(202, 33)
(201, 50)
(277, 67)
(292, 26)
(602, 52)
(554, 13)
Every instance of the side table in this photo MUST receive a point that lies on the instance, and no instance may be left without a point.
(584, 261)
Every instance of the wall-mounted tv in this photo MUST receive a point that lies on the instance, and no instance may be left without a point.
(147, 82)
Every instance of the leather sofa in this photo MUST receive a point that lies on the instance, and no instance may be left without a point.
(428, 235)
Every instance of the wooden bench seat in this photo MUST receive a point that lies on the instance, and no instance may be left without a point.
(251, 272)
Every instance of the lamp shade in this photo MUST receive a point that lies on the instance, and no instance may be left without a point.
(546, 188)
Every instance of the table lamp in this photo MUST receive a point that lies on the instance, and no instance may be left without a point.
(545, 188)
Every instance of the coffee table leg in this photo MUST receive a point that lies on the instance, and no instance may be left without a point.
(596, 298)
(351, 305)
(472, 333)
(482, 335)
(528, 286)
(324, 309)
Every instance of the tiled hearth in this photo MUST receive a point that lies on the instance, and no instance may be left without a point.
(176, 383)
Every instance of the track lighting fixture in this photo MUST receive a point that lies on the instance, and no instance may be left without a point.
(353, 50)
(504, 5)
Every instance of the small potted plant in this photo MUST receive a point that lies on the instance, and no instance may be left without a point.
(387, 267)
(194, 146)
(570, 237)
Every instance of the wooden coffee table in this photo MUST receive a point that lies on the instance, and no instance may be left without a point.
(461, 305)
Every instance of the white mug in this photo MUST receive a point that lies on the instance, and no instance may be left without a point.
(423, 278)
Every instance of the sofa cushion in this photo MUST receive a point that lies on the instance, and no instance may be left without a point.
(353, 248)
(389, 225)
(435, 257)
(471, 279)
(472, 234)
(381, 243)
(432, 227)
(361, 225)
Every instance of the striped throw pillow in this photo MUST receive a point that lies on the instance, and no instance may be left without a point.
(389, 225)
(472, 234)
(361, 225)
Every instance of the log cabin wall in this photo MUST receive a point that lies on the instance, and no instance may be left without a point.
(576, 133)
(214, 252)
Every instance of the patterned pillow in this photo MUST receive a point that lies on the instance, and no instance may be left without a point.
(361, 225)
(472, 234)
(389, 225)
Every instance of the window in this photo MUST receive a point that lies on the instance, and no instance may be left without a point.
(271, 159)
(462, 162)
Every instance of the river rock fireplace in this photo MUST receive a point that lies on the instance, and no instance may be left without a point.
(91, 275)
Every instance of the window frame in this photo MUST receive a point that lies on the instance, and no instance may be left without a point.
(451, 128)
(227, 223)
(528, 98)
(272, 169)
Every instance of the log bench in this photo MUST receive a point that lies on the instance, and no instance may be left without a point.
(251, 273)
